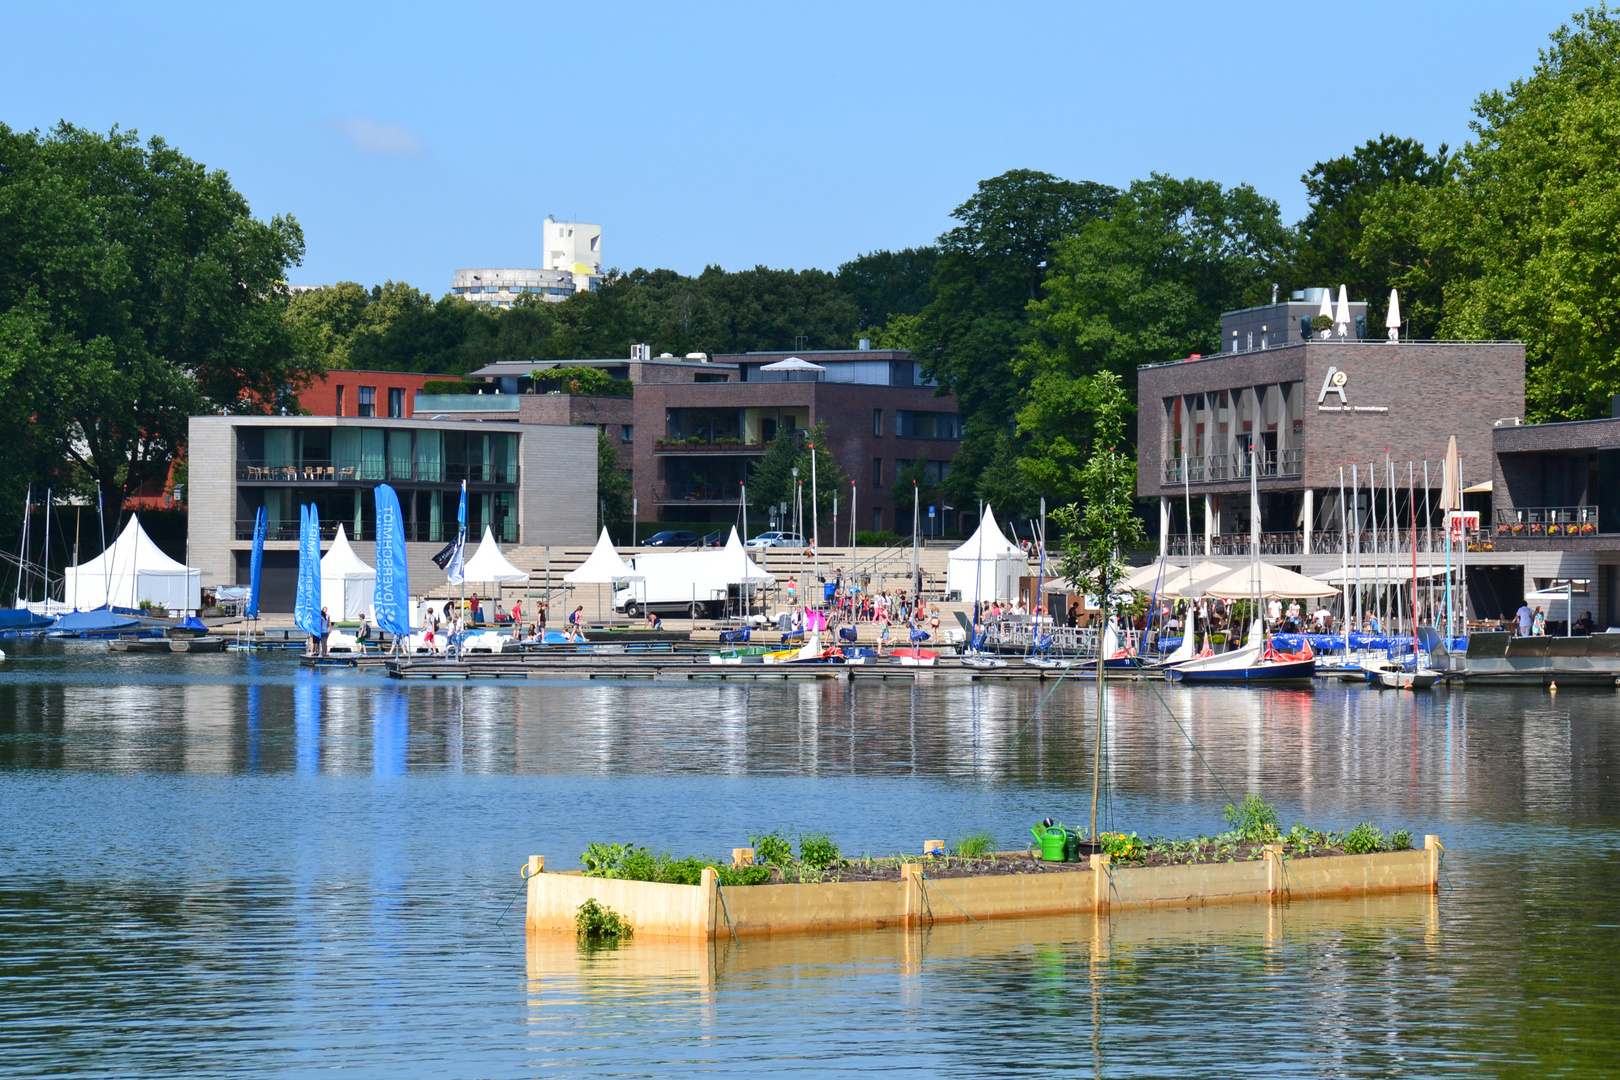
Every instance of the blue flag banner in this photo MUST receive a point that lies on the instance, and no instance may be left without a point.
(392, 595)
(461, 511)
(458, 555)
(261, 521)
(307, 610)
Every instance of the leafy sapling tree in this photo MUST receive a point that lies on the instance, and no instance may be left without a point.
(1097, 530)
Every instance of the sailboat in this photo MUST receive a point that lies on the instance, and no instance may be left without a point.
(1256, 662)
(1420, 677)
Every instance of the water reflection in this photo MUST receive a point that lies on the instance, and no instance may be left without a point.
(263, 869)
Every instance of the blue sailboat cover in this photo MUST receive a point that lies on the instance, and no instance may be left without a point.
(307, 608)
(392, 595)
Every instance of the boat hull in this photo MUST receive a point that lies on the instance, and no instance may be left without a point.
(1295, 671)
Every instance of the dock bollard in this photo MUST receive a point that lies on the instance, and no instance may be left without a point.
(742, 856)
(1432, 844)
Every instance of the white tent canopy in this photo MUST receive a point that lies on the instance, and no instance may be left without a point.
(348, 585)
(792, 363)
(987, 567)
(132, 570)
(489, 564)
(1268, 582)
(602, 568)
(749, 569)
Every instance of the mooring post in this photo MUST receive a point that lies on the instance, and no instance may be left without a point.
(710, 882)
(911, 886)
(1276, 885)
(537, 865)
(742, 856)
(1102, 879)
(1431, 844)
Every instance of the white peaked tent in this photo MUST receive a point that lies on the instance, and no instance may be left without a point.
(602, 568)
(988, 566)
(348, 585)
(489, 564)
(736, 555)
(132, 570)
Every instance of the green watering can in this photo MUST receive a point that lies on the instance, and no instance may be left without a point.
(1052, 839)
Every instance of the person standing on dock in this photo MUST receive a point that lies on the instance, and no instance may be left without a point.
(326, 630)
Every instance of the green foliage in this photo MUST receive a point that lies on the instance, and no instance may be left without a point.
(136, 289)
(631, 863)
(453, 386)
(1320, 323)
(596, 922)
(613, 486)
(817, 850)
(889, 286)
(880, 539)
(1364, 838)
(976, 845)
(772, 848)
(1340, 192)
(1095, 532)
(899, 333)
(590, 382)
(1253, 819)
(915, 476)
(743, 875)
(1400, 840)
(990, 267)
(1121, 847)
(770, 479)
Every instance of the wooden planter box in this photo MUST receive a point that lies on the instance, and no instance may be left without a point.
(706, 911)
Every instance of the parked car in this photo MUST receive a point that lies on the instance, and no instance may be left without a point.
(776, 540)
(671, 538)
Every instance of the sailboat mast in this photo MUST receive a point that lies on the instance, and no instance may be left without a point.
(1355, 489)
(22, 546)
(1344, 563)
(45, 569)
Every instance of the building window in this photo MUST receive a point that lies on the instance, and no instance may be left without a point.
(396, 401)
(627, 433)
(927, 425)
(368, 401)
(877, 519)
(339, 402)
(877, 472)
(877, 421)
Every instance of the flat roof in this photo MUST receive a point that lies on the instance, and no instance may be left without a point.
(261, 420)
(523, 367)
(1329, 343)
(832, 355)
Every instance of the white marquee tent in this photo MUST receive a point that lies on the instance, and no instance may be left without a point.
(348, 585)
(988, 566)
(489, 564)
(603, 567)
(131, 570)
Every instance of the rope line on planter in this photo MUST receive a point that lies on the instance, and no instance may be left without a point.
(721, 889)
(954, 904)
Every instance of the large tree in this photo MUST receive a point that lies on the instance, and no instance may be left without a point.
(1146, 284)
(884, 284)
(144, 289)
(1523, 243)
(990, 268)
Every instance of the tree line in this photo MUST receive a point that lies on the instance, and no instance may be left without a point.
(137, 288)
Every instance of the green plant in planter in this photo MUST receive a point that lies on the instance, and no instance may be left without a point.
(976, 845)
(1253, 819)
(597, 923)
(1363, 839)
(772, 848)
(817, 850)
(1320, 323)
(1400, 840)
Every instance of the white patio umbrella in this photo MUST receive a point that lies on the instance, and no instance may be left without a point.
(1341, 317)
(1392, 321)
(1269, 582)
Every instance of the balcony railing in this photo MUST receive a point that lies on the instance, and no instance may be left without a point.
(415, 531)
(373, 471)
(729, 494)
(1329, 542)
(1537, 522)
(1218, 468)
(698, 445)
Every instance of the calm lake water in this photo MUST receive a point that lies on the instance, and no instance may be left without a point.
(224, 865)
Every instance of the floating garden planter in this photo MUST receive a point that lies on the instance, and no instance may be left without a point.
(822, 890)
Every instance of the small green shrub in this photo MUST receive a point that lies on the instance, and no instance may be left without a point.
(606, 860)
(772, 848)
(1320, 323)
(976, 845)
(1400, 840)
(743, 875)
(1254, 819)
(817, 850)
(597, 922)
(1364, 838)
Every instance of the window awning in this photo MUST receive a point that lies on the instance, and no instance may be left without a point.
(1479, 489)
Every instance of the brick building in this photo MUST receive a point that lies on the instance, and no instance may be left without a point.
(347, 392)
(693, 427)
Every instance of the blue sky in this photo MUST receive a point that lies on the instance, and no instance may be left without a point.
(411, 139)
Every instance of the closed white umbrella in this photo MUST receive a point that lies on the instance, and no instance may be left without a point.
(1341, 318)
(1392, 321)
